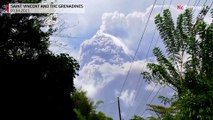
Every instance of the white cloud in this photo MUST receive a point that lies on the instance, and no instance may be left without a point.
(152, 87)
(103, 48)
(129, 27)
(127, 97)
(123, 115)
(106, 57)
(104, 60)
(93, 78)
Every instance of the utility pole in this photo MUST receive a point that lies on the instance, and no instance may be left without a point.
(119, 110)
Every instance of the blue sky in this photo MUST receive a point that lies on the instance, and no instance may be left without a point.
(104, 40)
(84, 26)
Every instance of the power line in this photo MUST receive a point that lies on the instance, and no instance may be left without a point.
(170, 4)
(204, 3)
(156, 94)
(203, 8)
(188, 2)
(156, 83)
(139, 80)
(195, 5)
(164, 53)
(152, 99)
(136, 54)
(147, 98)
(198, 3)
(155, 45)
(161, 87)
(137, 48)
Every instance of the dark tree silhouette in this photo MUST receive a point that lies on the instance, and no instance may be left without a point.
(36, 84)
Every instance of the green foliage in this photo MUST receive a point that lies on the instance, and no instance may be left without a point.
(98, 116)
(166, 100)
(79, 116)
(153, 118)
(98, 103)
(22, 35)
(36, 84)
(135, 117)
(82, 103)
(191, 78)
(161, 111)
(84, 108)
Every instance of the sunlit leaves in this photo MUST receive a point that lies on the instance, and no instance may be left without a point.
(192, 78)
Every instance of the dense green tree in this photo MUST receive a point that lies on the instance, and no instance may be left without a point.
(82, 103)
(135, 117)
(98, 116)
(191, 78)
(166, 112)
(35, 83)
(162, 112)
(85, 109)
